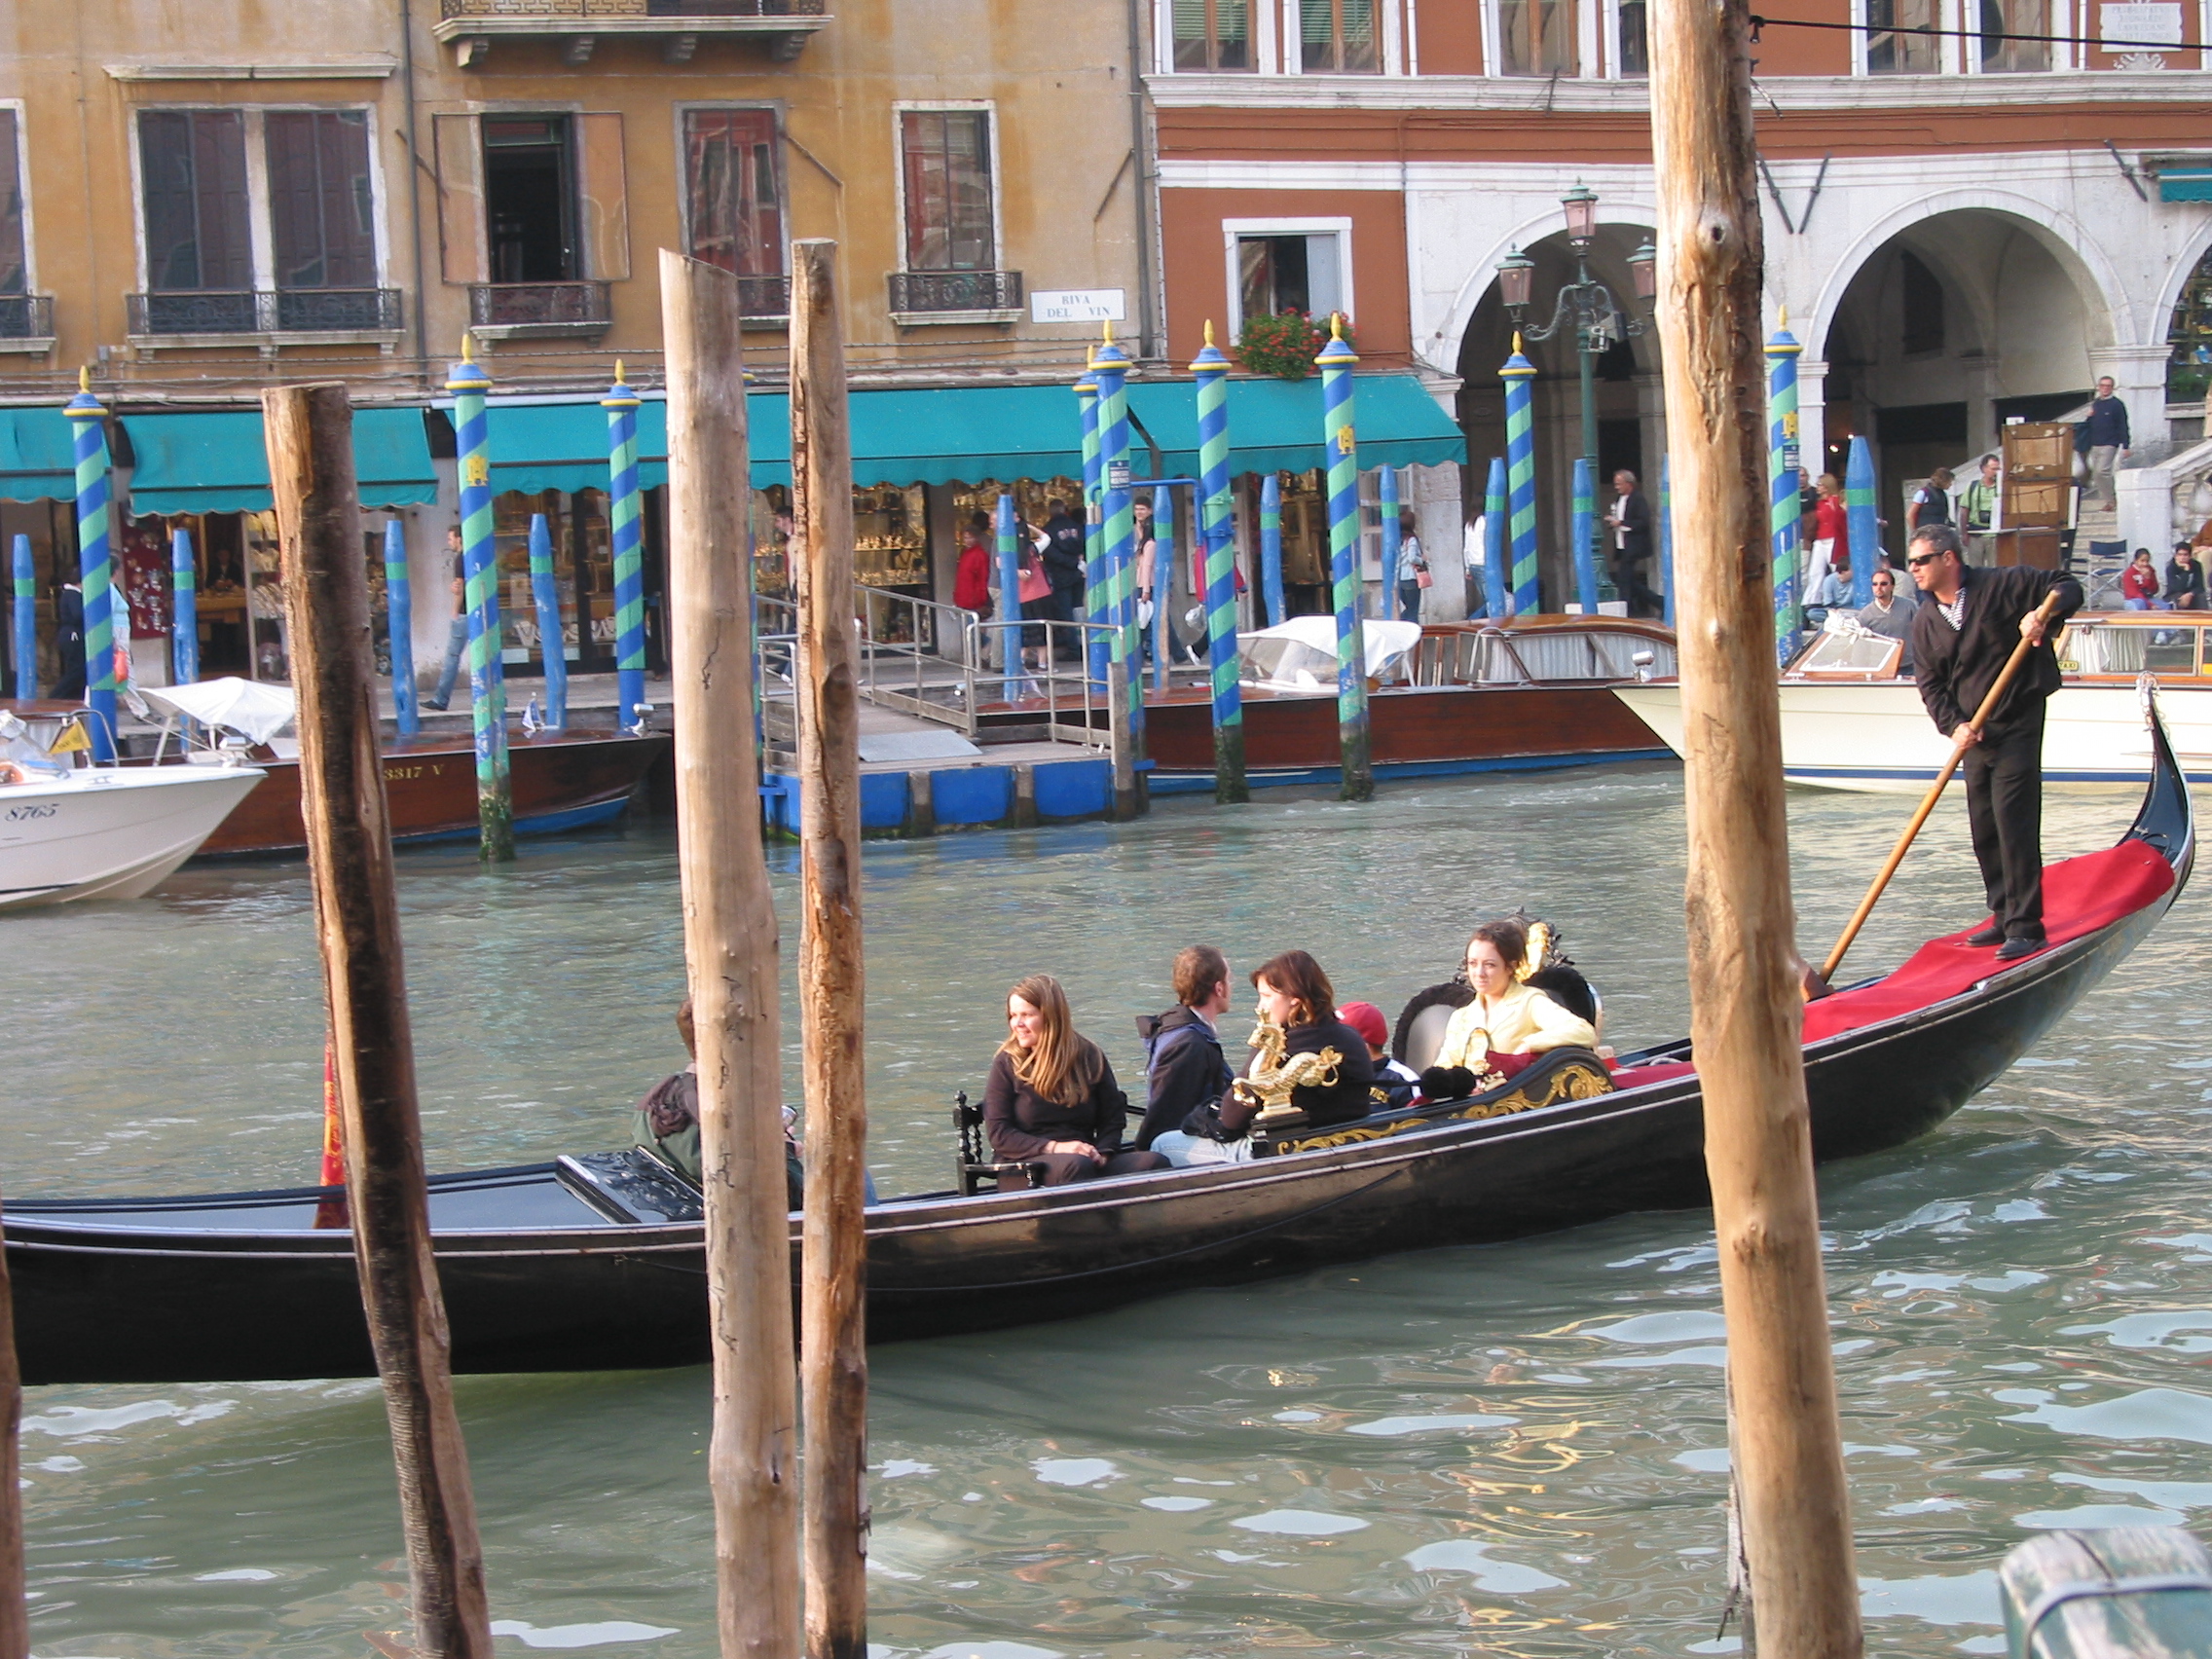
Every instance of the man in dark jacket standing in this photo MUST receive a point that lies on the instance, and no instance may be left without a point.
(1968, 622)
(1630, 523)
(68, 644)
(2103, 438)
(1183, 1064)
(1063, 559)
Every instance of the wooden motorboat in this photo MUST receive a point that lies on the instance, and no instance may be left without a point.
(595, 1262)
(1468, 697)
(72, 831)
(1849, 722)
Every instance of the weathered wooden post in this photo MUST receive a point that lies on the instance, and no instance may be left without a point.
(831, 986)
(399, 626)
(1338, 444)
(552, 641)
(1744, 968)
(729, 943)
(622, 527)
(1782, 353)
(310, 435)
(1862, 523)
(1211, 370)
(96, 565)
(1519, 374)
(25, 578)
(480, 592)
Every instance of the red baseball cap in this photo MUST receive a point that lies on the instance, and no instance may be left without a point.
(1367, 1020)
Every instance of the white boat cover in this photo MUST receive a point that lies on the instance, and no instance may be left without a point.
(1387, 642)
(252, 711)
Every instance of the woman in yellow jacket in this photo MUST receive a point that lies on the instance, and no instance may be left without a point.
(1508, 1021)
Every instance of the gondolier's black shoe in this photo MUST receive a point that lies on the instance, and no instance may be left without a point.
(1987, 936)
(2013, 950)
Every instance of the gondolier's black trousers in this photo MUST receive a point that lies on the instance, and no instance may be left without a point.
(2004, 810)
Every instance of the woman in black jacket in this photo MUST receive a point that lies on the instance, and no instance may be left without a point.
(1052, 1099)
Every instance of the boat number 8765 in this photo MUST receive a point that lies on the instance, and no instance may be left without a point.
(32, 809)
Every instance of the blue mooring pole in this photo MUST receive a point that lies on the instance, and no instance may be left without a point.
(552, 642)
(1667, 540)
(623, 535)
(1009, 598)
(1387, 503)
(1210, 370)
(1271, 548)
(1495, 577)
(94, 560)
(184, 630)
(1338, 443)
(399, 624)
(27, 620)
(1585, 560)
(1862, 522)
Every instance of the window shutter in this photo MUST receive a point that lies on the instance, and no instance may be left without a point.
(601, 196)
(462, 247)
(347, 201)
(218, 155)
(167, 200)
(14, 280)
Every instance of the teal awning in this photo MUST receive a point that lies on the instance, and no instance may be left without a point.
(217, 462)
(2185, 184)
(1275, 425)
(37, 456)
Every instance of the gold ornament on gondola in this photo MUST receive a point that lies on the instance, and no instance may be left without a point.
(1540, 943)
(1269, 1082)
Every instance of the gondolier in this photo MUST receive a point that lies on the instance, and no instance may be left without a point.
(1968, 622)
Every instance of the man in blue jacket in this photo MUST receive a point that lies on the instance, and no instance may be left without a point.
(1183, 1064)
(2103, 438)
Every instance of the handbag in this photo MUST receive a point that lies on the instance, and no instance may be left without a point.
(1035, 584)
(1422, 576)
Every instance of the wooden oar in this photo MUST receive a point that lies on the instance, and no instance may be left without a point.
(1935, 793)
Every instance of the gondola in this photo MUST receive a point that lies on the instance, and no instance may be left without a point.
(595, 1262)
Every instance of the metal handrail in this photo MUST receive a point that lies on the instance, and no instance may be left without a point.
(1061, 685)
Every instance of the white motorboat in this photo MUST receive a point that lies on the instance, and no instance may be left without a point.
(70, 832)
(1848, 723)
(1300, 655)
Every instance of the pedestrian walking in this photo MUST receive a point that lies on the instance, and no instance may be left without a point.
(1930, 504)
(1413, 567)
(1832, 527)
(2103, 439)
(1630, 525)
(1063, 564)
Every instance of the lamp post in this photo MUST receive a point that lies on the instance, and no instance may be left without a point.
(1588, 307)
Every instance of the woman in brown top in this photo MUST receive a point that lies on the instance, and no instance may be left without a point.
(1052, 1099)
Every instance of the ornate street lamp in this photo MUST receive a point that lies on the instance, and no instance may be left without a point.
(1597, 319)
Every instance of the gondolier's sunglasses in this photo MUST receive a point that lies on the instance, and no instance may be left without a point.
(1924, 559)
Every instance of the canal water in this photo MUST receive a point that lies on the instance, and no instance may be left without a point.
(1516, 1449)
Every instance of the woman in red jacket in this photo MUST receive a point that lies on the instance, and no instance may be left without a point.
(2139, 583)
(972, 579)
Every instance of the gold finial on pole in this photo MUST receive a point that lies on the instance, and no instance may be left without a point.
(618, 371)
(83, 377)
(1785, 322)
(1336, 326)
(1109, 331)
(467, 347)
(1517, 343)
(1209, 331)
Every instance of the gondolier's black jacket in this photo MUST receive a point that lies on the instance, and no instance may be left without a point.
(1956, 668)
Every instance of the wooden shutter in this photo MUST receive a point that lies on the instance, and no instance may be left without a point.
(218, 163)
(14, 280)
(321, 214)
(601, 196)
(167, 200)
(465, 254)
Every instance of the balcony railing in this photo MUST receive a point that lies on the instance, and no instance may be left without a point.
(569, 10)
(936, 293)
(521, 309)
(280, 310)
(26, 316)
(783, 26)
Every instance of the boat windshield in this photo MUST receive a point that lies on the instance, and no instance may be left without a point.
(1850, 652)
(30, 744)
(2104, 648)
(1581, 653)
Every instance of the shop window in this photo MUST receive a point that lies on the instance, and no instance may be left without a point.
(1537, 37)
(1633, 50)
(322, 214)
(193, 173)
(945, 161)
(2188, 367)
(1338, 37)
(1288, 272)
(2002, 23)
(1923, 300)
(1890, 52)
(732, 176)
(1212, 34)
(530, 199)
(891, 543)
(583, 578)
(15, 272)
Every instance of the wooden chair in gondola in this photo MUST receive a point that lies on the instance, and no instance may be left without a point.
(1419, 1029)
(974, 1164)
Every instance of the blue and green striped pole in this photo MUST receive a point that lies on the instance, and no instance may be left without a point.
(1335, 363)
(1009, 599)
(1667, 540)
(487, 673)
(1097, 649)
(1498, 587)
(399, 624)
(1111, 369)
(96, 572)
(184, 628)
(1859, 521)
(1585, 560)
(1164, 581)
(1387, 504)
(621, 406)
(1271, 547)
(26, 619)
(1211, 370)
(1782, 353)
(552, 639)
(1520, 475)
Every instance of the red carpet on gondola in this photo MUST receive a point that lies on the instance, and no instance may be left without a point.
(2079, 895)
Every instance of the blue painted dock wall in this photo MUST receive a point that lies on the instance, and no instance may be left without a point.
(903, 804)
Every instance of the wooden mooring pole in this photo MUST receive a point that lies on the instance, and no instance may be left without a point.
(730, 944)
(310, 430)
(1746, 1007)
(831, 982)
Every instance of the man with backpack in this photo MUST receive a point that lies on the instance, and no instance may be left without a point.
(1183, 1064)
